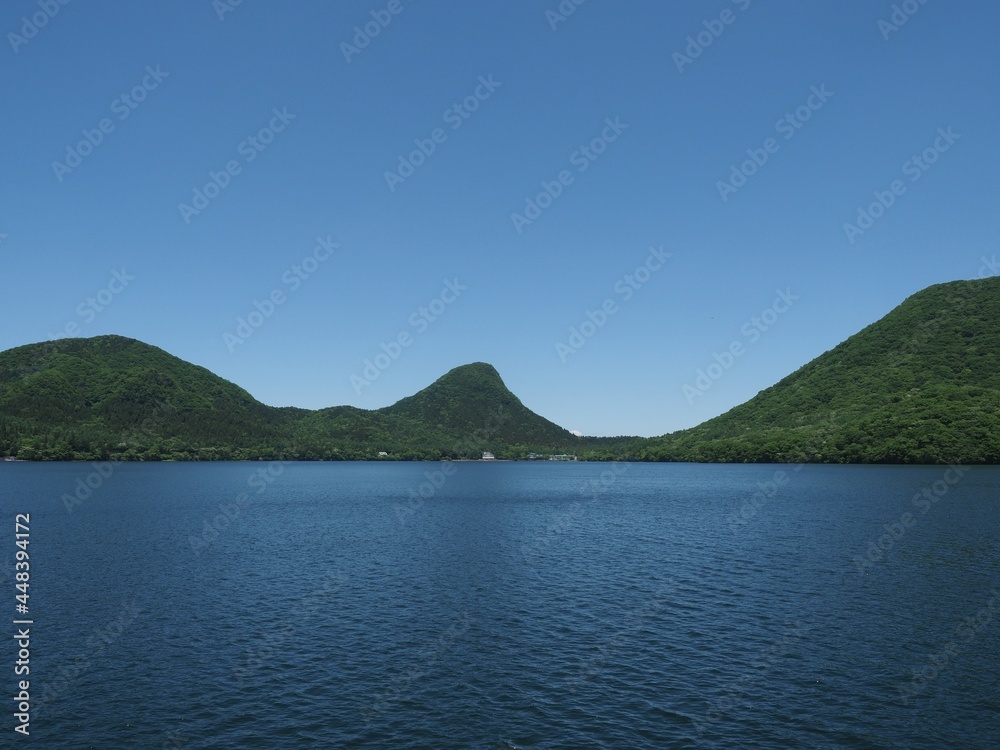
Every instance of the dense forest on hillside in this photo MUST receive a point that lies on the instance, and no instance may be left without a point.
(113, 398)
(922, 385)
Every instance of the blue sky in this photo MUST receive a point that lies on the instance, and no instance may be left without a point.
(476, 178)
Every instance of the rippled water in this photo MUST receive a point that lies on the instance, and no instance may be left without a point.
(515, 606)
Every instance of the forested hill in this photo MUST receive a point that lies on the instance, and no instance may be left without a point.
(83, 398)
(922, 385)
(118, 398)
(457, 401)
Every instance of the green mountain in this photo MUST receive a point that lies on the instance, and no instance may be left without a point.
(114, 397)
(462, 414)
(922, 385)
(456, 403)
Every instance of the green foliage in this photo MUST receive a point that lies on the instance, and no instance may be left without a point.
(111, 397)
(922, 385)
(457, 403)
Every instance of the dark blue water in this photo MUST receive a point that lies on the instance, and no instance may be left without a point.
(515, 606)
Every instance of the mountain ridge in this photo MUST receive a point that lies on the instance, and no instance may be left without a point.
(115, 396)
(920, 385)
(904, 389)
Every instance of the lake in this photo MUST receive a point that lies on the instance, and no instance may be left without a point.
(506, 605)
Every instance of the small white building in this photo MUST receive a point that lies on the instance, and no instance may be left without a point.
(487, 456)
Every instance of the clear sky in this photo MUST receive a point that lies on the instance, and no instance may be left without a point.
(490, 173)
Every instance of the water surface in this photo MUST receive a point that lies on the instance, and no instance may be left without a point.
(513, 605)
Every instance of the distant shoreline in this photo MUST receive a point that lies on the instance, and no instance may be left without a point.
(626, 460)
